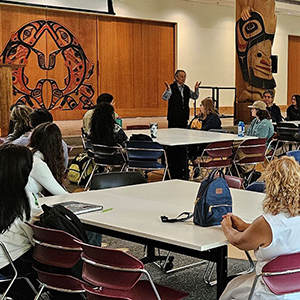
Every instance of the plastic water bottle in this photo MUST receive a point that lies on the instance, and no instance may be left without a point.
(119, 121)
(241, 129)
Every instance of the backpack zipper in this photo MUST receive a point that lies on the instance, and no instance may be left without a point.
(217, 205)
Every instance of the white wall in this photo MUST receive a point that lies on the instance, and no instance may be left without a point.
(206, 40)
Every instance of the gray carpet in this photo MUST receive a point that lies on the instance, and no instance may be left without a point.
(189, 280)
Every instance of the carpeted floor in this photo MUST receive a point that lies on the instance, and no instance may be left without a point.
(189, 280)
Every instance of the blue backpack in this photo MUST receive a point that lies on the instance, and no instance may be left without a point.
(213, 201)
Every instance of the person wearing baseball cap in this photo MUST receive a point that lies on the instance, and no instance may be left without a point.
(261, 126)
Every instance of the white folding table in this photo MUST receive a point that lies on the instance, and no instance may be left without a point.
(177, 141)
(134, 214)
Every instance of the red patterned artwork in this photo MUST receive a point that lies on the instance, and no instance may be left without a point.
(75, 93)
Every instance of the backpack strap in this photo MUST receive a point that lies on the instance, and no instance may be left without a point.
(188, 216)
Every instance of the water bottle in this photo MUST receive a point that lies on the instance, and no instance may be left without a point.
(241, 129)
(119, 121)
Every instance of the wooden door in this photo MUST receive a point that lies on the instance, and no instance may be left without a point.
(293, 67)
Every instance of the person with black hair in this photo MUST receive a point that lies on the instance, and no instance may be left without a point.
(17, 206)
(37, 117)
(86, 121)
(293, 111)
(104, 129)
(272, 108)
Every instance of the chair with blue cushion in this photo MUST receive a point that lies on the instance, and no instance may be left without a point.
(257, 186)
(146, 156)
(295, 154)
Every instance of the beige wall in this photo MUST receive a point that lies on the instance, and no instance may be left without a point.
(206, 40)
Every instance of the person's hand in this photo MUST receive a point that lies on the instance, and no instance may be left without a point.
(167, 85)
(197, 84)
(245, 14)
(237, 223)
(226, 222)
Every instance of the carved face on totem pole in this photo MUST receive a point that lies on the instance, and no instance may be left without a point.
(22, 49)
(254, 47)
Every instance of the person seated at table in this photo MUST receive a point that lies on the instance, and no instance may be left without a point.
(260, 126)
(293, 111)
(208, 117)
(272, 108)
(17, 206)
(274, 233)
(19, 116)
(37, 117)
(86, 121)
(48, 169)
(104, 129)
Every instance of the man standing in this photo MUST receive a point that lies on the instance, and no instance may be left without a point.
(178, 95)
(272, 108)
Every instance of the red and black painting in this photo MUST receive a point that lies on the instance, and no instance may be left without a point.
(22, 49)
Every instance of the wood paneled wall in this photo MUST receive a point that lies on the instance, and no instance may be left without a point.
(293, 67)
(132, 58)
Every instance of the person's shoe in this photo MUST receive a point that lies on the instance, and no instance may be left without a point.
(196, 172)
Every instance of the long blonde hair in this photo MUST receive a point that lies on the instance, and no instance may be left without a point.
(282, 178)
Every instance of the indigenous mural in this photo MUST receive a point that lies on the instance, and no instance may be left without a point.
(255, 31)
(74, 93)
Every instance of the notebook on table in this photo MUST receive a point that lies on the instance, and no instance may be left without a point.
(80, 207)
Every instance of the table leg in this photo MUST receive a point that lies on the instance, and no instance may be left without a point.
(178, 162)
(221, 260)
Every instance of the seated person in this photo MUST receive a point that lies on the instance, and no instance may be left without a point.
(17, 206)
(19, 117)
(293, 111)
(208, 117)
(104, 129)
(37, 117)
(104, 97)
(48, 162)
(261, 125)
(272, 108)
(274, 233)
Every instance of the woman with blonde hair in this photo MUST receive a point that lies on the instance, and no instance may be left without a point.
(20, 117)
(274, 233)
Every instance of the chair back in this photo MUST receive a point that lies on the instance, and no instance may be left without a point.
(108, 155)
(143, 150)
(288, 132)
(217, 155)
(234, 181)
(257, 186)
(295, 154)
(282, 274)
(254, 150)
(137, 127)
(55, 247)
(116, 179)
(110, 268)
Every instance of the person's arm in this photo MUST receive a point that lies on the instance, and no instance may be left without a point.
(42, 174)
(195, 95)
(168, 92)
(257, 234)
(264, 129)
(66, 154)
